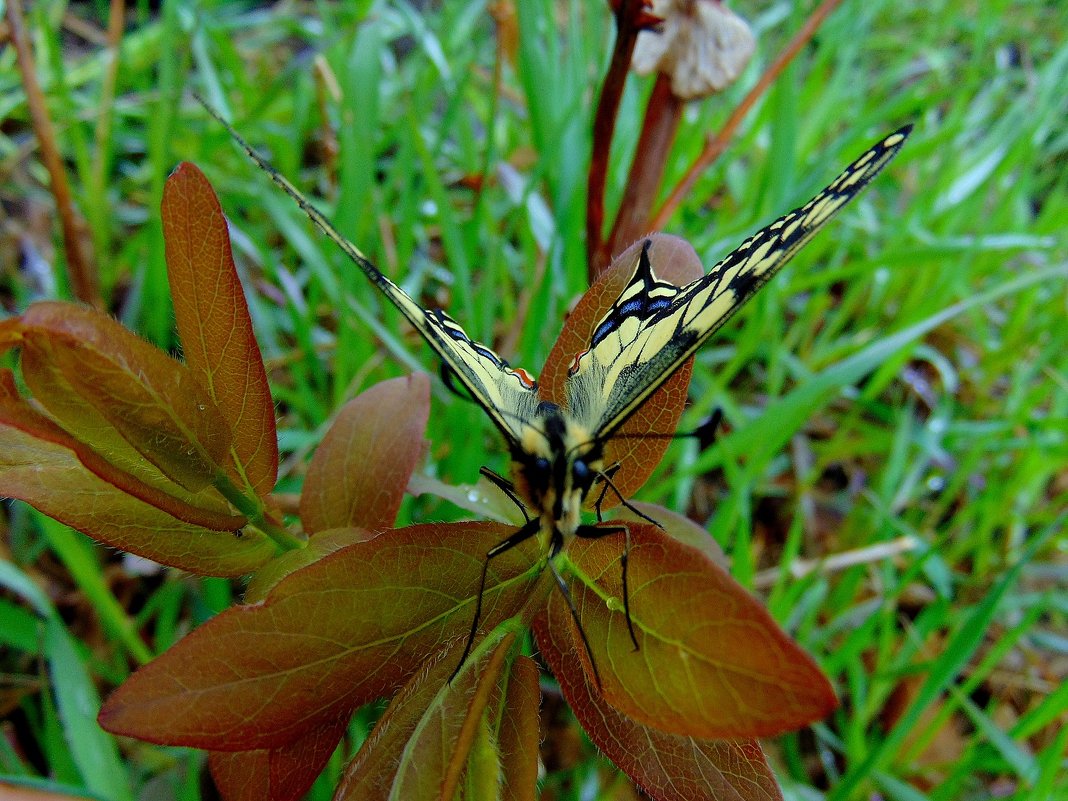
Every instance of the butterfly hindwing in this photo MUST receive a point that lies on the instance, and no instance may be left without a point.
(653, 327)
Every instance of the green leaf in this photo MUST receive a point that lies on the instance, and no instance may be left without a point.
(759, 440)
(93, 752)
(78, 555)
(959, 649)
(151, 400)
(122, 467)
(78, 702)
(420, 747)
(518, 732)
(279, 774)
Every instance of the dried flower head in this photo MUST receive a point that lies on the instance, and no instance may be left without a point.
(702, 46)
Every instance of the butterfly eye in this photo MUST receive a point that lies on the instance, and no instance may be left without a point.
(580, 471)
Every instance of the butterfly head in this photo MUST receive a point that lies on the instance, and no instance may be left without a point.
(555, 464)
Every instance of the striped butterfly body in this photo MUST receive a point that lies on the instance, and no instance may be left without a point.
(649, 332)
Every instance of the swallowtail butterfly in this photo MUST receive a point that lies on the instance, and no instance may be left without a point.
(650, 331)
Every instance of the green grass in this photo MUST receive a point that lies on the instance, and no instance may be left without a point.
(902, 383)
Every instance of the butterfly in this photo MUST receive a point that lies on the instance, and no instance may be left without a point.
(649, 332)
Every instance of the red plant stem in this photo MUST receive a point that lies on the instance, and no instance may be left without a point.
(662, 116)
(604, 125)
(82, 277)
(715, 145)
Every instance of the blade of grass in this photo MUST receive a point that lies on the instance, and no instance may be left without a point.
(92, 752)
(959, 649)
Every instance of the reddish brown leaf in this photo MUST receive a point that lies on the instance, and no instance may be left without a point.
(350, 628)
(460, 722)
(204, 509)
(667, 766)
(711, 661)
(518, 733)
(214, 324)
(317, 546)
(243, 775)
(50, 478)
(150, 399)
(361, 468)
(680, 528)
(673, 260)
(279, 774)
(421, 745)
(10, 333)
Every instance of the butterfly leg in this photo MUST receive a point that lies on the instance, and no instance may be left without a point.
(708, 429)
(505, 486)
(595, 533)
(604, 477)
(529, 529)
(578, 623)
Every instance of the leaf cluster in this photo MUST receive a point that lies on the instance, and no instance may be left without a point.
(347, 609)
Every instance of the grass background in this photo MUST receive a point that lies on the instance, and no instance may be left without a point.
(894, 480)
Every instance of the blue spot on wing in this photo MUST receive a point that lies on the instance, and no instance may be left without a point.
(603, 330)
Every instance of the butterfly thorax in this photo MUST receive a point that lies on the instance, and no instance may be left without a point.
(555, 462)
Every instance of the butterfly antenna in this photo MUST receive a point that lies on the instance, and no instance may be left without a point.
(507, 487)
(316, 216)
(705, 431)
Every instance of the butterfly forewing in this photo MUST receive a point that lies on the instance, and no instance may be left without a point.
(646, 336)
(654, 327)
(631, 446)
(509, 396)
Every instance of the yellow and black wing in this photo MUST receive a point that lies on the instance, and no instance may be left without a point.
(654, 326)
(508, 395)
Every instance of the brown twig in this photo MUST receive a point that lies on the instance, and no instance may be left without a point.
(715, 145)
(628, 16)
(663, 113)
(82, 276)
